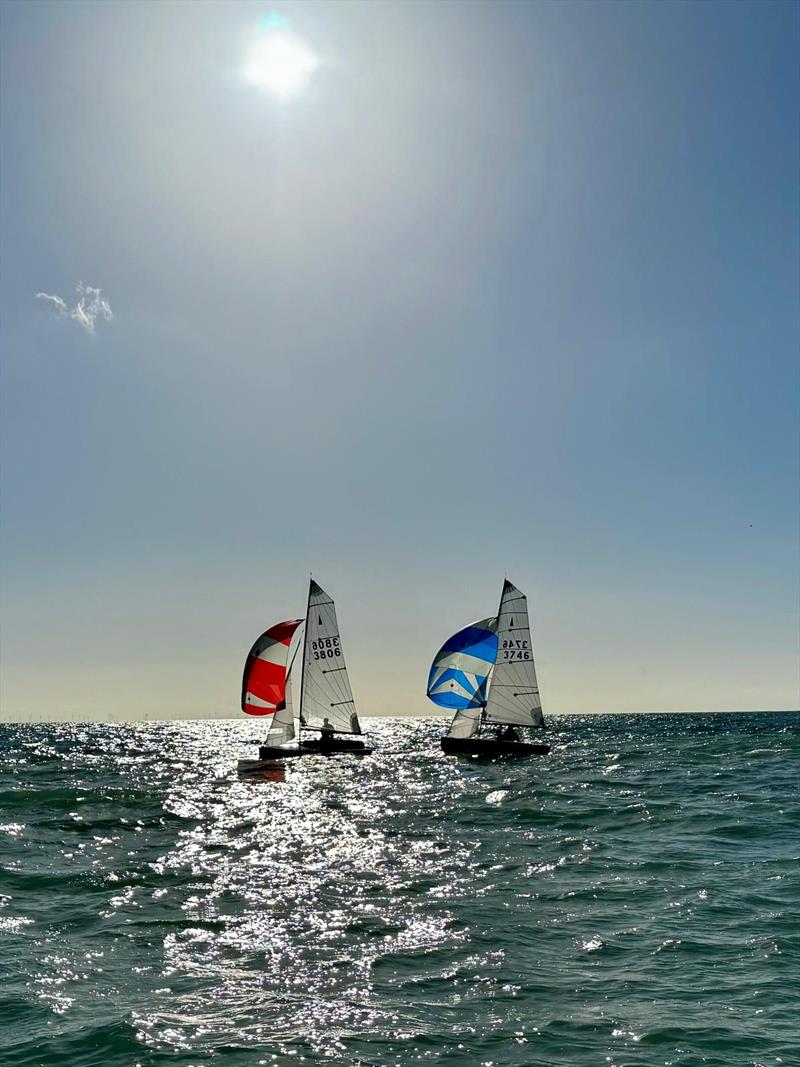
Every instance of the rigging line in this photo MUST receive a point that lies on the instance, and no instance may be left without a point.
(490, 681)
(305, 645)
(291, 662)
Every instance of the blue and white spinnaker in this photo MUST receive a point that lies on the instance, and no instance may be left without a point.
(461, 668)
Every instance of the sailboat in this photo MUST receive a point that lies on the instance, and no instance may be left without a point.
(485, 673)
(327, 718)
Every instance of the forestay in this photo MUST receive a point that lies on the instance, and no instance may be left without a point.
(458, 674)
(264, 680)
(326, 693)
(514, 690)
(281, 727)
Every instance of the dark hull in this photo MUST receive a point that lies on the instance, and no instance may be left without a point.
(337, 746)
(316, 747)
(491, 746)
(274, 752)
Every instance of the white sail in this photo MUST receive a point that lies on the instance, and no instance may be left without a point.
(513, 690)
(466, 723)
(282, 729)
(326, 693)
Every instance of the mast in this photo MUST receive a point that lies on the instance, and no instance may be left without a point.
(490, 679)
(282, 728)
(291, 661)
(482, 722)
(303, 664)
(289, 673)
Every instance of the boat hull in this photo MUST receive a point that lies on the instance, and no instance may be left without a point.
(491, 746)
(337, 747)
(271, 752)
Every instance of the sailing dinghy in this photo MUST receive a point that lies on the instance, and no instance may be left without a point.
(326, 710)
(485, 673)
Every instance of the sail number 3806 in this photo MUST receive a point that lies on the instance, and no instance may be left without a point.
(326, 648)
(512, 649)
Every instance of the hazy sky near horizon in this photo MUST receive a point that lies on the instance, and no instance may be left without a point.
(511, 288)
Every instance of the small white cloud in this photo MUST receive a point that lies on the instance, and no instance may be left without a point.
(58, 304)
(90, 305)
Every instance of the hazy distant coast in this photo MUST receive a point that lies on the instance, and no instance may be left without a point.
(12, 718)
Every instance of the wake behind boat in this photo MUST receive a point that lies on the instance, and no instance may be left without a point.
(486, 674)
(326, 705)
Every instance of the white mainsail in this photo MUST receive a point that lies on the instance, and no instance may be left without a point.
(326, 693)
(513, 690)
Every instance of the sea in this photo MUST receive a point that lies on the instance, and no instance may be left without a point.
(629, 900)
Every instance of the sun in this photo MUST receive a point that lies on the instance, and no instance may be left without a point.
(278, 61)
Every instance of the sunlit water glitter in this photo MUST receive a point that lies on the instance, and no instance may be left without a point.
(629, 900)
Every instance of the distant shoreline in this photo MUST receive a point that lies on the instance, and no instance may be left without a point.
(254, 721)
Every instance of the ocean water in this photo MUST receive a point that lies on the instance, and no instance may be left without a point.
(632, 899)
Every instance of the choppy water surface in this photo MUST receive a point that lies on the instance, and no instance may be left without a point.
(632, 899)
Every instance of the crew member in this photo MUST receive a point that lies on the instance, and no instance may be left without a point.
(326, 734)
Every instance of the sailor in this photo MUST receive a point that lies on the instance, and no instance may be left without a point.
(507, 733)
(326, 731)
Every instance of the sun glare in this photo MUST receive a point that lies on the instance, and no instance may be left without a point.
(279, 61)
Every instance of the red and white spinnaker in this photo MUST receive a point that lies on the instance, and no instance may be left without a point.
(264, 681)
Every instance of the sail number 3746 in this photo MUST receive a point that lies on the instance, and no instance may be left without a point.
(512, 649)
(326, 648)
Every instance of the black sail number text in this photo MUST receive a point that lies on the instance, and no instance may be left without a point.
(515, 649)
(326, 648)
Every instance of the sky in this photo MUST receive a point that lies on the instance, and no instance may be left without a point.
(510, 289)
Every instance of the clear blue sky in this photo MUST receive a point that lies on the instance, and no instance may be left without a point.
(512, 288)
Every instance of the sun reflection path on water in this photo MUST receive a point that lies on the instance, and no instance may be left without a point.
(303, 885)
